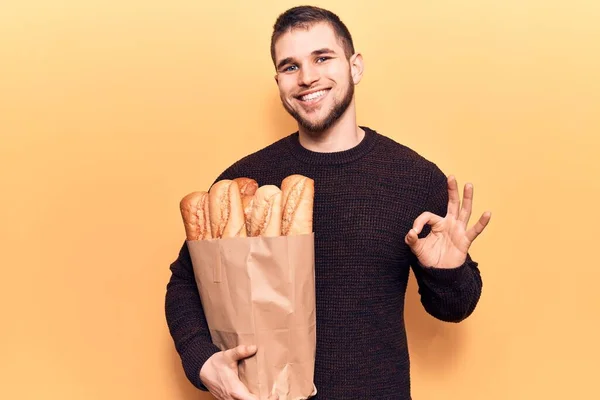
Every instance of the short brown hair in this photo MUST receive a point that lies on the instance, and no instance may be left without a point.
(305, 17)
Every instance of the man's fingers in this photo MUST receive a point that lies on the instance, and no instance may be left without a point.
(425, 218)
(240, 352)
(241, 392)
(453, 197)
(412, 237)
(467, 204)
(479, 226)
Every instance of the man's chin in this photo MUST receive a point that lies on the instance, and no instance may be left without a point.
(312, 126)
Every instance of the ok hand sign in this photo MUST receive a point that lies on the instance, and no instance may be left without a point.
(447, 244)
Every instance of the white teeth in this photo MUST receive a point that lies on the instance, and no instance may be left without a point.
(312, 96)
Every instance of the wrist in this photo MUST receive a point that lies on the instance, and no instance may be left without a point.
(447, 275)
(449, 262)
(204, 372)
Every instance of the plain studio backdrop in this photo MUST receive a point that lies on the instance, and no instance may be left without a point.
(111, 111)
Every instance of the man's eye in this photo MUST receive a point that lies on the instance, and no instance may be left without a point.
(321, 59)
(290, 68)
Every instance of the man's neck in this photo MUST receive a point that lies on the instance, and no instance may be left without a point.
(344, 135)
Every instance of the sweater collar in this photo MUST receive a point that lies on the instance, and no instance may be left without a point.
(337, 157)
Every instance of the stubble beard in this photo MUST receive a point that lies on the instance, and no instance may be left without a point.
(315, 128)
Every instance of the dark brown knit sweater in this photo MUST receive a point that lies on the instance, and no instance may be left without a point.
(366, 199)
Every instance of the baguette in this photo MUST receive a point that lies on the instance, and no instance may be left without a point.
(298, 197)
(266, 211)
(247, 187)
(226, 210)
(195, 214)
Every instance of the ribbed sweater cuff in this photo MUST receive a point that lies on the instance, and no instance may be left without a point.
(193, 360)
(453, 277)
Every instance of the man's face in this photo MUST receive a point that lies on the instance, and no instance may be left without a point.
(314, 77)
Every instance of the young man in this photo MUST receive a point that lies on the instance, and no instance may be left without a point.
(379, 210)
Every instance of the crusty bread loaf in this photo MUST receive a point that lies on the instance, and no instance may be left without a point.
(195, 214)
(266, 211)
(226, 210)
(298, 197)
(247, 187)
(240, 208)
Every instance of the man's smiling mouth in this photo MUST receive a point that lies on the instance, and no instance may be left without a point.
(313, 96)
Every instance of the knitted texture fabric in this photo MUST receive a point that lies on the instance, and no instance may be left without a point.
(366, 200)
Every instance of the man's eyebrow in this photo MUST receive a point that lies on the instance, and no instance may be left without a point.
(284, 61)
(324, 50)
(318, 52)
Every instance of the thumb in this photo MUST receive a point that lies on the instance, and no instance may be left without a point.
(241, 352)
(411, 238)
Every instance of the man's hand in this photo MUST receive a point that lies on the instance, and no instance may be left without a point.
(220, 374)
(447, 244)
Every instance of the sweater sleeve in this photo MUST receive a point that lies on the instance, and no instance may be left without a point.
(450, 295)
(185, 316)
(186, 320)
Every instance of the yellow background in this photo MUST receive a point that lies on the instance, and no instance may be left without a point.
(111, 111)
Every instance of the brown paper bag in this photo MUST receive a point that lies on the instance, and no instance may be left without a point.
(261, 290)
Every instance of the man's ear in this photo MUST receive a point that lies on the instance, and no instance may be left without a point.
(276, 79)
(357, 67)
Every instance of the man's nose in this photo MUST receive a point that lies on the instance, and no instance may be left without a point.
(307, 76)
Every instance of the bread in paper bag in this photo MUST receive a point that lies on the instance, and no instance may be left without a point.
(257, 287)
(298, 194)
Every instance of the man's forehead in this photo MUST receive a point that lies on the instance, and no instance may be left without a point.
(303, 41)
